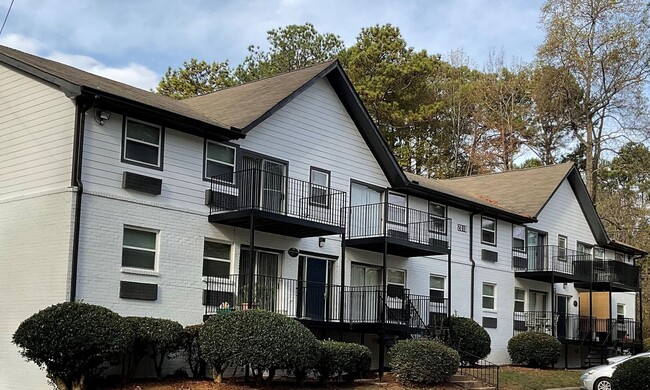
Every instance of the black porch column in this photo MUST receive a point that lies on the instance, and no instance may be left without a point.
(251, 263)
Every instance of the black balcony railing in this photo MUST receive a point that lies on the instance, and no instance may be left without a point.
(612, 271)
(578, 327)
(551, 258)
(256, 189)
(403, 223)
(321, 301)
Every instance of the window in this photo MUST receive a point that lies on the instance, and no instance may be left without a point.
(519, 238)
(219, 161)
(216, 259)
(396, 282)
(437, 218)
(489, 296)
(599, 258)
(142, 143)
(619, 257)
(561, 248)
(319, 185)
(139, 248)
(488, 231)
(436, 288)
(396, 208)
(620, 312)
(520, 300)
(584, 250)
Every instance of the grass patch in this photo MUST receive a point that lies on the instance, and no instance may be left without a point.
(521, 378)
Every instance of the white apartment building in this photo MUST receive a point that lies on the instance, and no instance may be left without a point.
(282, 195)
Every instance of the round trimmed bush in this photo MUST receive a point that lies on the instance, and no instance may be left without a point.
(156, 337)
(632, 374)
(423, 361)
(337, 358)
(260, 339)
(534, 349)
(72, 340)
(470, 339)
(192, 348)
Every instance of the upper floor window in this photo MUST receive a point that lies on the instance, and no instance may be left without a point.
(396, 280)
(142, 143)
(437, 218)
(489, 296)
(520, 300)
(488, 231)
(319, 185)
(620, 312)
(519, 238)
(219, 161)
(436, 288)
(561, 247)
(397, 208)
(139, 248)
(216, 259)
(619, 257)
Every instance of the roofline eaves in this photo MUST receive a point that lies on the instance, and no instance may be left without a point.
(71, 90)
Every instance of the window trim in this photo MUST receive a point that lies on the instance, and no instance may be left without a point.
(493, 231)
(156, 251)
(229, 261)
(444, 286)
(328, 187)
(161, 146)
(406, 208)
(494, 297)
(520, 300)
(618, 318)
(234, 165)
(565, 247)
(520, 250)
(444, 218)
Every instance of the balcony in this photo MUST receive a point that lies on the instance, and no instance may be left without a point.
(551, 264)
(315, 303)
(574, 328)
(615, 275)
(278, 204)
(402, 231)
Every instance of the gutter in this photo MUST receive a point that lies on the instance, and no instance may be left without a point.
(471, 259)
(77, 162)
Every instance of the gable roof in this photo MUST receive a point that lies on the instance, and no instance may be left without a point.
(244, 106)
(75, 82)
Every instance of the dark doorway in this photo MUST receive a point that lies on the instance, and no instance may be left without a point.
(315, 289)
(561, 317)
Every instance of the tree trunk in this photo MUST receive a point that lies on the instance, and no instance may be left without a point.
(79, 384)
(589, 157)
(58, 382)
(217, 375)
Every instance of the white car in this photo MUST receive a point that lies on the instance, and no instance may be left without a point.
(599, 377)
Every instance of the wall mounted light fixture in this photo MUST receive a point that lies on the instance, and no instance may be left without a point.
(102, 116)
(321, 242)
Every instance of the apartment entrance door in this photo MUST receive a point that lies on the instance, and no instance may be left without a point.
(365, 293)
(562, 304)
(315, 288)
(270, 194)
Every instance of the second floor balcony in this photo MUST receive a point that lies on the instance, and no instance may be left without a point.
(612, 275)
(551, 264)
(401, 231)
(278, 204)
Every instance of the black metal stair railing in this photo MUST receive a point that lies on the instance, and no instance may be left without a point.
(483, 371)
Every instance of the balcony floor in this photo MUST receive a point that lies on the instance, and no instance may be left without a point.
(397, 246)
(549, 276)
(275, 223)
(606, 286)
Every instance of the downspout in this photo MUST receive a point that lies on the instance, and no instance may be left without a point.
(471, 260)
(77, 163)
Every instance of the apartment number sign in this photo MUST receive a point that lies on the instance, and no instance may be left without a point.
(462, 228)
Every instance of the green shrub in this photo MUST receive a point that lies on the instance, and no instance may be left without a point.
(192, 348)
(423, 361)
(534, 349)
(72, 340)
(470, 339)
(337, 358)
(156, 337)
(260, 339)
(646, 345)
(632, 374)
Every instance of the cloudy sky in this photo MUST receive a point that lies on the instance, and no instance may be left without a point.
(134, 41)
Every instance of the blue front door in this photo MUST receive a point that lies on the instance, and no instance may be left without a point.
(315, 291)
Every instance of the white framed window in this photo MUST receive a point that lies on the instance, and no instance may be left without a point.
(520, 300)
(216, 259)
(219, 161)
(396, 280)
(519, 238)
(619, 257)
(397, 208)
(319, 187)
(488, 230)
(620, 312)
(139, 248)
(489, 296)
(436, 288)
(437, 218)
(142, 143)
(561, 247)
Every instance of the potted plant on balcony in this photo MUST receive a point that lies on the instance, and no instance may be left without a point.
(264, 293)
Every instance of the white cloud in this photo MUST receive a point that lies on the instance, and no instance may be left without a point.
(133, 73)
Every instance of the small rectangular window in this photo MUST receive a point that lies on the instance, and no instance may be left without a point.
(519, 238)
(489, 296)
(216, 259)
(396, 279)
(520, 300)
(139, 248)
(142, 143)
(319, 187)
(488, 231)
(620, 257)
(437, 218)
(561, 248)
(620, 312)
(397, 208)
(436, 288)
(219, 162)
